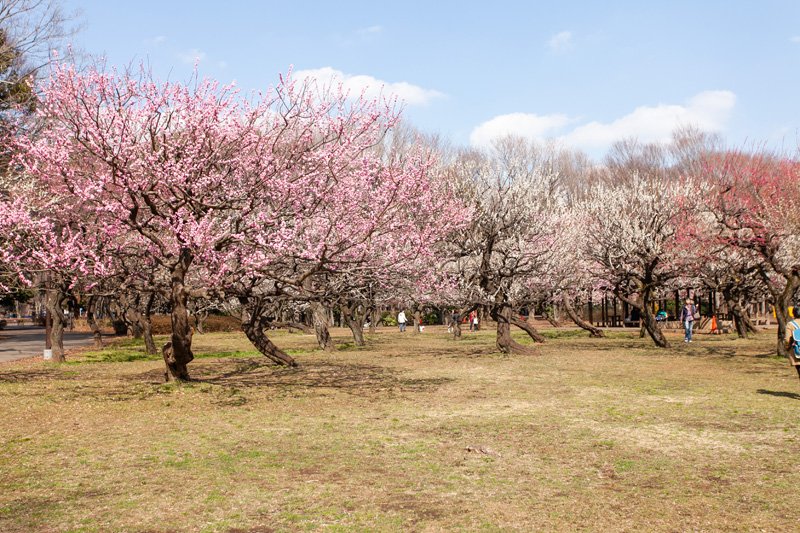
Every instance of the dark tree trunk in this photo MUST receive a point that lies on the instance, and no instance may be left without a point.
(131, 314)
(455, 326)
(783, 318)
(375, 316)
(254, 330)
(650, 324)
(740, 319)
(748, 323)
(503, 316)
(549, 314)
(648, 320)
(200, 321)
(355, 321)
(254, 325)
(527, 327)
(54, 301)
(146, 325)
(782, 300)
(91, 319)
(178, 352)
(581, 323)
(290, 326)
(320, 317)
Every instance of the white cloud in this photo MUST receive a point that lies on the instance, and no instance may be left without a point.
(371, 30)
(192, 56)
(372, 87)
(155, 41)
(708, 110)
(560, 42)
(530, 126)
(795, 39)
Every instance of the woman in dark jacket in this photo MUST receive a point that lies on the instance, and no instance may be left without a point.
(687, 319)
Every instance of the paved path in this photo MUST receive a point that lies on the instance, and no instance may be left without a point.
(19, 342)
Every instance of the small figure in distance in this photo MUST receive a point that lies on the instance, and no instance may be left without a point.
(401, 320)
(687, 318)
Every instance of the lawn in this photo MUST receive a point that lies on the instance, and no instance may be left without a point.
(411, 433)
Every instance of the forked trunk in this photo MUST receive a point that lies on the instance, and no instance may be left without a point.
(581, 323)
(358, 332)
(320, 317)
(355, 321)
(200, 321)
(527, 327)
(505, 343)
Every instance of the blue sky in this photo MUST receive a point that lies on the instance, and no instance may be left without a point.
(585, 73)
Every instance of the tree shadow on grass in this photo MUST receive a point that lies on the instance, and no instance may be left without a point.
(780, 394)
(23, 376)
(259, 373)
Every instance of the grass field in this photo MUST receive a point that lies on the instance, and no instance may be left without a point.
(412, 433)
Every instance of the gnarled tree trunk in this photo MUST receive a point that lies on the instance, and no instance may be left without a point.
(254, 324)
(503, 316)
(527, 327)
(741, 321)
(178, 352)
(146, 325)
(549, 314)
(650, 324)
(354, 320)
(320, 317)
(581, 323)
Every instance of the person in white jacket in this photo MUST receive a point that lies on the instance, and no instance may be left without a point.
(401, 320)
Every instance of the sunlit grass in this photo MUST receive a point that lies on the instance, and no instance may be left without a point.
(413, 432)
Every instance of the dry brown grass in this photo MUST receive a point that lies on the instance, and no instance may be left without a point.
(414, 433)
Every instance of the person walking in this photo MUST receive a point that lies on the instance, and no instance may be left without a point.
(401, 320)
(471, 318)
(474, 323)
(688, 315)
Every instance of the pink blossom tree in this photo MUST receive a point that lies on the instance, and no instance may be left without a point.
(754, 199)
(194, 173)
